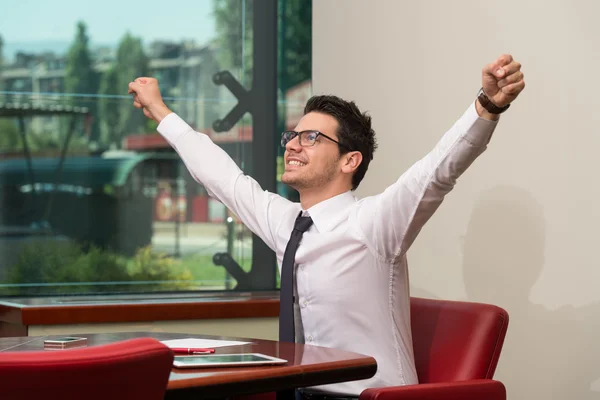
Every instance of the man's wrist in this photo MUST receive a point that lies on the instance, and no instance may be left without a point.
(159, 112)
(483, 113)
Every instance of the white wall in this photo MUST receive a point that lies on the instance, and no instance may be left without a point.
(520, 228)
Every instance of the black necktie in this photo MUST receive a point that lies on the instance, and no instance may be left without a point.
(286, 295)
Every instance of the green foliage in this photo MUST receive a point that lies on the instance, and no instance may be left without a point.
(150, 125)
(119, 118)
(10, 139)
(295, 43)
(80, 76)
(233, 24)
(132, 62)
(1, 61)
(150, 266)
(65, 268)
(109, 108)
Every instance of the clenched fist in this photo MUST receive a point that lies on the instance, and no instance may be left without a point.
(146, 95)
(502, 80)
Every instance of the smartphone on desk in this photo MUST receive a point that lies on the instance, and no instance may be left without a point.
(66, 342)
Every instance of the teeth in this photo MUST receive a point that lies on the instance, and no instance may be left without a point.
(294, 162)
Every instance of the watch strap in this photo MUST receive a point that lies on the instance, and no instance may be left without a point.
(488, 105)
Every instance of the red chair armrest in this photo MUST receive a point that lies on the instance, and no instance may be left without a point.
(478, 389)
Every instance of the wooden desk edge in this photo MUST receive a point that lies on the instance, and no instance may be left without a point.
(137, 312)
(362, 368)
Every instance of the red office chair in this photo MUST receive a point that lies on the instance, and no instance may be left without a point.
(457, 346)
(130, 369)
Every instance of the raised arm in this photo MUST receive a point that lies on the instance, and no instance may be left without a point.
(210, 165)
(391, 221)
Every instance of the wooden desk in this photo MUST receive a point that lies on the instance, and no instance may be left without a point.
(308, 366)
(18, 315)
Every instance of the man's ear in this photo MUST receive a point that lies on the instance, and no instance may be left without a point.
(351, 161)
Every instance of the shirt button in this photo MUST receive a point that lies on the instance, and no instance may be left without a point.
(310, 338)
(304, 303)
(302, 267)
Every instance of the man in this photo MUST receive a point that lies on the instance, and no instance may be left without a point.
(351, 278)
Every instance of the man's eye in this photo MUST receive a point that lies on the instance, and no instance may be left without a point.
(311, 136)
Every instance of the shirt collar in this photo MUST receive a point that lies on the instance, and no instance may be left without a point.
(326, 214)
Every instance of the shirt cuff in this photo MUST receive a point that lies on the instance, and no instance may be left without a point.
(172, 127)
(478, 129)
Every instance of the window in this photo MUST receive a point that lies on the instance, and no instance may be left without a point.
(92, 199)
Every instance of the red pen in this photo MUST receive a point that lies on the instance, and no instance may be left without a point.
(192, 350)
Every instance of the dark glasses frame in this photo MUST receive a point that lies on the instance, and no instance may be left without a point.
(288, 136)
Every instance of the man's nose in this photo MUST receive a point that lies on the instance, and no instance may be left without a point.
(294, 144)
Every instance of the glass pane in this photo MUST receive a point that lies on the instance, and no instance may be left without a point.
(92, 199)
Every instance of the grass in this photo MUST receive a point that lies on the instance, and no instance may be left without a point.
(205, 273)
(66, 268)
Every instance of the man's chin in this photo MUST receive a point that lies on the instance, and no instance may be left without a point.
(287, 180)
(291, 182)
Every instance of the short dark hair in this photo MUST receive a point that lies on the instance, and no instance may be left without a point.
(354, 129)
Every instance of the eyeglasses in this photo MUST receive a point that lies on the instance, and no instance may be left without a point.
(307, 138)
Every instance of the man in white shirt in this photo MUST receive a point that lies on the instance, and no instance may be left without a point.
(351, 277)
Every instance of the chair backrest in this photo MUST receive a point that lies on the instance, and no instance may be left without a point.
(130, 369)
(456, 341)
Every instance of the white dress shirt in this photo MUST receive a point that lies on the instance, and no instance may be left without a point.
(352, 276)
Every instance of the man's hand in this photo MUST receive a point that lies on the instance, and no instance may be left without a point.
(146, 95)
(502, 81)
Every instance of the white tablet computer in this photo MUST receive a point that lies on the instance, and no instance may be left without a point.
(226, 360)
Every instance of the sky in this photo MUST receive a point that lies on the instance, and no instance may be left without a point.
(30, 24)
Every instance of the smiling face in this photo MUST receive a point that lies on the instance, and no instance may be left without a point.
(316, 166)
